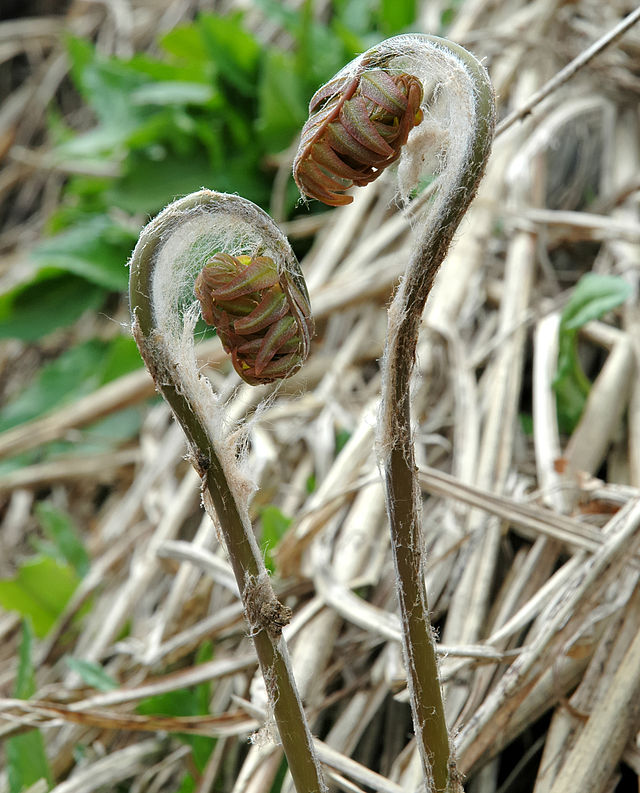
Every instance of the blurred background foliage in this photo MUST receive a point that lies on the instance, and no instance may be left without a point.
(209, 103)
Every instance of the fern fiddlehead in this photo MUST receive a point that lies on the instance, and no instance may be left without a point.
(356, 128)
(263, 318)
(221, 236)
(452, 133)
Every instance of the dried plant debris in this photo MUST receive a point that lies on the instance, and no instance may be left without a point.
(126, 659)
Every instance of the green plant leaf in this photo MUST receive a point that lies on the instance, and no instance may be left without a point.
(342, 438)
(183, 702)
(58, 526)
(121, 356)
(274, 526)
(186, 43)
(97, 250)
(52, 300)
(92, 674)
(232, 49)
(106, 84)
(187, 785)
(396, 15)
(593, 297)
(150, 185)
(40, 590)
(174, 92)
(26, 678)
(75, 373)
(26, 757)
(282, 106)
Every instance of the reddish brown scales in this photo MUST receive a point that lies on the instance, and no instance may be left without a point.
(262, 318)
(356, 128)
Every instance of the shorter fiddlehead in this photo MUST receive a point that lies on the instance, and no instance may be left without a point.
(172, 253)
(263, 318)
(447, 136)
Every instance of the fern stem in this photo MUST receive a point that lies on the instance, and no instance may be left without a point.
(395, 433)
(215, 464)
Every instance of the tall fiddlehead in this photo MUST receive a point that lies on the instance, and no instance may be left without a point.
(449, 129)
(223, 253)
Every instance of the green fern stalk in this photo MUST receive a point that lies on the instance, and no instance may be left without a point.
(171, 251)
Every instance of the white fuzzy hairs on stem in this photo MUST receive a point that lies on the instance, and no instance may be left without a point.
(439, 144)
(454, 138)
(178, 242)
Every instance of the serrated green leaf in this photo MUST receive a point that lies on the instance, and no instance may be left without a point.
(58, 526)
(274, 526)
(92, 674)
(40, 590)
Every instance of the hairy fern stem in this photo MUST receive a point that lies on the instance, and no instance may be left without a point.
(395, 440)
(171, 250)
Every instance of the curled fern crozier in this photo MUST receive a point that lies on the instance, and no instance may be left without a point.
(262, 318)
(356, 128)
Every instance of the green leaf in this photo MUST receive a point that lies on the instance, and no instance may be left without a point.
(40, 590)
(282, 106)
(27, 761)
(593, 297)
(183, 702)
(26, 757)
(121, 356)
(97, 250)
(58, 526)
(278, 781)
(106, 84)
(187, 785)
(52, 300)
(355, 15)
(26, 678)
(149, 185)
(173, 93)
(77, 372)
(396, 15)
(342, 437)
(92, 674)
(274, 526)
(232, 49)
(186, 43)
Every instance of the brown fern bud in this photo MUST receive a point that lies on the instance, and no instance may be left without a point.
(263, 318)
(356, 128)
